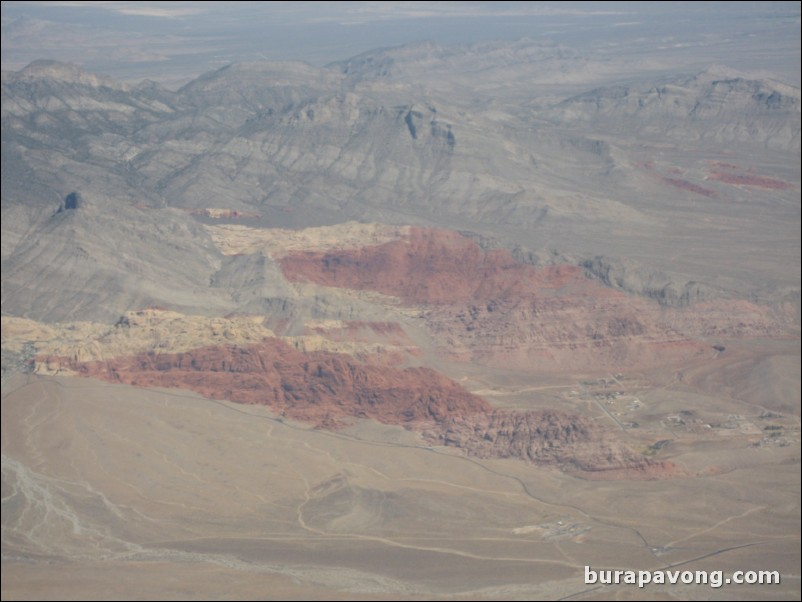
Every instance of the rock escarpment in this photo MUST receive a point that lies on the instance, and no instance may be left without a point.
(329, 390)
(485, 306)
(549, 438)
(431, 266)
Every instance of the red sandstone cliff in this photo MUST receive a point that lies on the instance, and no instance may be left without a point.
(327, 389)
(432, 266)
(486, 307)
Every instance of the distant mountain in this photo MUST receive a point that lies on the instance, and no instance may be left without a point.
(63, 127)
(394, 136)
(713, 106)
(278, 134)
(243, 90)
(427, 60)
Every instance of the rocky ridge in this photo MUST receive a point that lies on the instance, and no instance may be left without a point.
(483, 305)
(337, 372)
(329, 390)
(717, 105)
(157, 331)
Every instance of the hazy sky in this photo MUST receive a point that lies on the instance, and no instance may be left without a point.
(176, 40)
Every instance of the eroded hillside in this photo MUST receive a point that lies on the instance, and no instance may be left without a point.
(444, 302)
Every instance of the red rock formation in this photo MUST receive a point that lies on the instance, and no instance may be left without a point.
(321, 388)
(686, 185)
(215, 213)
(551, 438)
(484, 306)
(563, 333)
(326, 389)
(432, 267)
(750, 180)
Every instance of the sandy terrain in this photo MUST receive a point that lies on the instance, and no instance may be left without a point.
(113, 489)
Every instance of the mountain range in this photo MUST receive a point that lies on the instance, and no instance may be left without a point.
(504, 257)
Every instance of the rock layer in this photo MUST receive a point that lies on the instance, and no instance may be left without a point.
(328, 390)
(432, 266)
(318, 387)
(485, 306)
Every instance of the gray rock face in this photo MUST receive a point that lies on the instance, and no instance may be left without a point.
(95, 262)
(714, 106)
(666, 289)
(72, 201)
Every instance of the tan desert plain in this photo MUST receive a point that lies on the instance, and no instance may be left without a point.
(441, 321)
